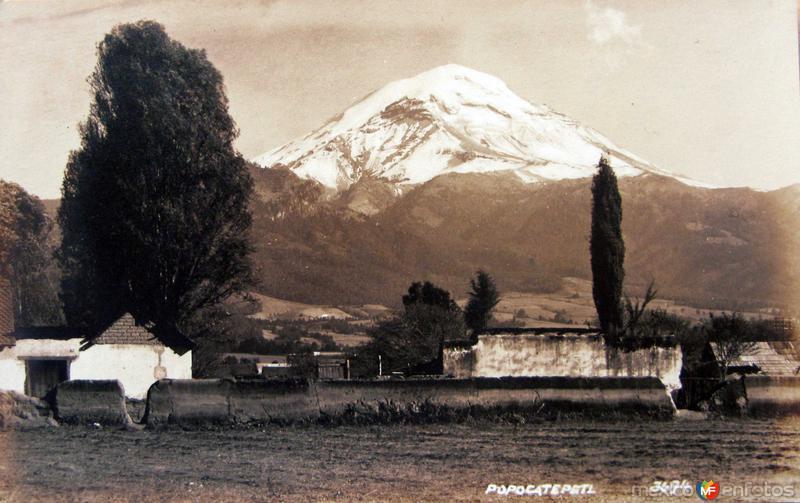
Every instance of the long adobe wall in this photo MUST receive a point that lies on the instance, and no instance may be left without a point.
(216, 401)
(772, 396)
(197, 402)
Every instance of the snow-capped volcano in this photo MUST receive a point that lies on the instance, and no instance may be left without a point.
(450, 119)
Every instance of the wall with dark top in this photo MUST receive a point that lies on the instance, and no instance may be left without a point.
(215, 401)
(89, 402)
(771, 395)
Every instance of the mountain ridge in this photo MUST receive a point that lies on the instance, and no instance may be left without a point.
(724, 248)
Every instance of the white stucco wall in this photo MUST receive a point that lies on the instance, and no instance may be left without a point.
(12, 371)
(136, 366)
(12, 359)
(573, 355)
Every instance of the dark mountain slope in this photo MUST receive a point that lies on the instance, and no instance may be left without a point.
(721, 247)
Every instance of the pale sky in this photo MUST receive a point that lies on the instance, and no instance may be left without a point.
(707, 89)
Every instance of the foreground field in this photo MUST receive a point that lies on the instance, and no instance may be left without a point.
(394, 463)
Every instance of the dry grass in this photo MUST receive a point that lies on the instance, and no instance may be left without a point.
(574, 301)
(389, 463)
(272, 307)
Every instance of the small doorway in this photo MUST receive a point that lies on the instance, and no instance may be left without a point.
(42, 375)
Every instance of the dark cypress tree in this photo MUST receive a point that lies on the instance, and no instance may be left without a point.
(607, 250)
(154, 208)
(483, 298)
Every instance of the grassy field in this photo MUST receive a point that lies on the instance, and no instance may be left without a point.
(574, 302)
(571, 306)
(394, 463)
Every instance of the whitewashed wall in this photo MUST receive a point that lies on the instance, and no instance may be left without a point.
(12, 366)
(12, 371)
(575, 355)
(136, 366)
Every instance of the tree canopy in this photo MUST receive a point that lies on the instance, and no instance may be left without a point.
(607, 250)
(483, 298)
(431, 314)
(26, 256)
(733, 335)
(428, 294)
(415, 337)
(154, 207)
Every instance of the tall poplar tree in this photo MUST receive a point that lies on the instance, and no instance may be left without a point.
(154, 207)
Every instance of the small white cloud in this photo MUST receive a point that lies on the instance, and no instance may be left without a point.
(608, 25)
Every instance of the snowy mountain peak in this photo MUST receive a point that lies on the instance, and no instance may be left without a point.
(448, 86)
(450, 119)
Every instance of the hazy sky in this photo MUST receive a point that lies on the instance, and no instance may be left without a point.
(707, 89)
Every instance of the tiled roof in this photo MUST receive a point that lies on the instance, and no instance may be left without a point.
(773, 358)
(123, 331)
(126, 331)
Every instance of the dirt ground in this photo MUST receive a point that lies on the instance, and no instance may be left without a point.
(396, 463)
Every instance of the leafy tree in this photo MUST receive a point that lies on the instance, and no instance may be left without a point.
(429, 294)
(26, 257)
(397, 345)
(733, 337)
(154, 210)
(429, 318)
(607, 250)
(483, 298)
(432, 314)
(659, 322)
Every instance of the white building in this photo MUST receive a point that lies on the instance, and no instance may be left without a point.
(571, 352)
(34, 360)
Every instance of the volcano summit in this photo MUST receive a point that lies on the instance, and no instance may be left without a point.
(450, 119)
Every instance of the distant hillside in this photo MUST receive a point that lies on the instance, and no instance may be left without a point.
(718, 248)
(723, 248)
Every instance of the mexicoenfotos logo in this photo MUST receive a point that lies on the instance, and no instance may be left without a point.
(707, 489)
